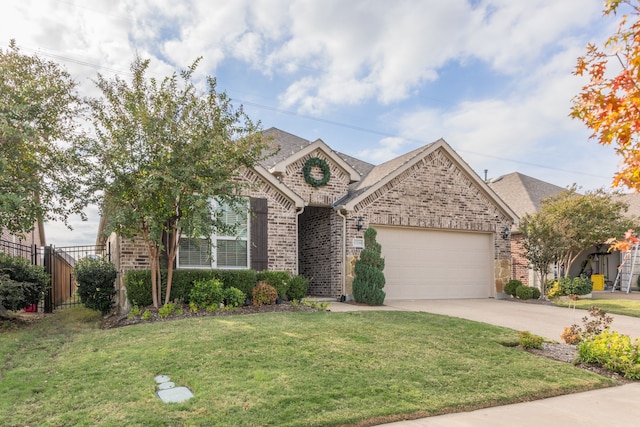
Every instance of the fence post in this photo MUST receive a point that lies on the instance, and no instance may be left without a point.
(48, 267)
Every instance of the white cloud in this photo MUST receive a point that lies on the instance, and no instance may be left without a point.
(388, 148)
(336, 56)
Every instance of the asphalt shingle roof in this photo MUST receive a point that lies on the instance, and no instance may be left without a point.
(522, 193)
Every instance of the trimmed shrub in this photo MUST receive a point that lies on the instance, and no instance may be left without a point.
(264, 294)
(138, 283)
(297, 288)
(524, 292)
(205, 293)
(577, 286)
(527, 340)
(511, 287)
(369, 278)
(536, 293)
(96, 283)
(244, 280)
(277, 279)
(568, 286)
(234, 297)
(21, 284)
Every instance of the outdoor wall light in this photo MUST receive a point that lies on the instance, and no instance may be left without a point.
(359, 223)
(506, 232)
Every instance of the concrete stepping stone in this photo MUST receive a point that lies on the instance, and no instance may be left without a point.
(175, 395)
(166, 386)
(169, 393)
(161, 379)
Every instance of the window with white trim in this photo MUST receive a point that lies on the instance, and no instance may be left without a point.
(229, 251)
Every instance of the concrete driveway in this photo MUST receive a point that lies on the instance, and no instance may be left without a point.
(544, 320)
(615, 406)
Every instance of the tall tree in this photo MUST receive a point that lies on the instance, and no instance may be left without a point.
(164, 152)
(609, 104)
(569, 223)
(39, 127)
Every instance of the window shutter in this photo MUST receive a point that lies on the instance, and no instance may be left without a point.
(259, 234)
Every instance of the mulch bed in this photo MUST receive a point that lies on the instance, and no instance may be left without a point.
(116, 321)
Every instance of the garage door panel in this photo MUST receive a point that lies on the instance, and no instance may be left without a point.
(428, 264)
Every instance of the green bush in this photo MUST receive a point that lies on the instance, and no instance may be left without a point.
(297, 288)
(528, 340)
(138, 283)
(21, 284)
(207, 292)
(277, 279)
(369, 278)
(244, 280)
(576, 286)
(234, 297)
(614, 351)
(166, 310)
(536, 293)
(567, 286)
(511, 287)
(524, 292)
(264, 294)
(96, 283)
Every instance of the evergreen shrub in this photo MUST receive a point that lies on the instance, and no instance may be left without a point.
(511, 287)
(297, 288)
(369, 278)
(96, 283)
(21, 284)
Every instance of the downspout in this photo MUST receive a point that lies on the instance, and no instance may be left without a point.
(344, 252)
(297, 272)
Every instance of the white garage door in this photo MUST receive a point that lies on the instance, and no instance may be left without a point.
(426, 264)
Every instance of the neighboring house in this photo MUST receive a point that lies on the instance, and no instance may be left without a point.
(524, 195)
(440, 225)
(28, 246)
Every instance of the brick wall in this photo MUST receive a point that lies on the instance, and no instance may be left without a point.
(315, 249)
(316, 196)
(435, 194)
(519, 264)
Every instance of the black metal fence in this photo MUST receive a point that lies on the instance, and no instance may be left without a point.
(59, 264)
(31, 253)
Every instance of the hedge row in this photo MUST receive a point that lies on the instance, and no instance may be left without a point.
(138, 283)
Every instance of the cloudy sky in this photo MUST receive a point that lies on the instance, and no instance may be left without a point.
(372, 78)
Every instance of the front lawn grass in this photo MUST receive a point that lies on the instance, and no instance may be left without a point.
(285, 369)
(625, 307)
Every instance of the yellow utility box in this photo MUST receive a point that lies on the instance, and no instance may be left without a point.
(598, 282)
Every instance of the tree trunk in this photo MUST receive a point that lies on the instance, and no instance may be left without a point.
(173, 240)
(154, 273)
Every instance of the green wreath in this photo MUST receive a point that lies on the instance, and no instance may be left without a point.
(320, 163)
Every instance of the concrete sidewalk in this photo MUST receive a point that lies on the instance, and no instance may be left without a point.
(611, 407)
(615, 406)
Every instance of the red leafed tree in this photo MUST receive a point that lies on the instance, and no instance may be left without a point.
(609, 104)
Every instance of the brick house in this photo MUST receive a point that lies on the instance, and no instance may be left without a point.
(524, 195)
(440, 225)
(27, 246)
